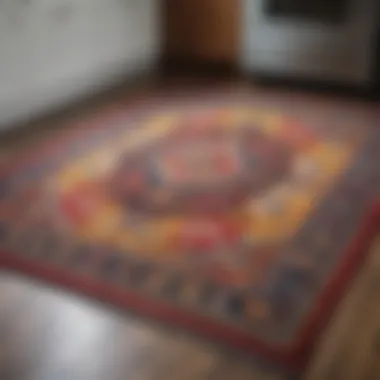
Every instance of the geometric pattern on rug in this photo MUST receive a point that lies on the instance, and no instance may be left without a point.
(240, 217)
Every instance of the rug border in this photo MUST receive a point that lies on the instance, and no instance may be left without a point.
(294, 356)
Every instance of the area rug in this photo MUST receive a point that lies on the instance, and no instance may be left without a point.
(240, 222)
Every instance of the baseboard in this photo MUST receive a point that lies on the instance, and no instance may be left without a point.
(370, 92)
(173, 67)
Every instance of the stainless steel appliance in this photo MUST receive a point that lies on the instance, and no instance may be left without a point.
(328, 40)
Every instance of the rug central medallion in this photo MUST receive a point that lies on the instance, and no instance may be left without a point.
(214, 194)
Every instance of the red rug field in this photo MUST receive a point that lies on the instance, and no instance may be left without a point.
(242, 221)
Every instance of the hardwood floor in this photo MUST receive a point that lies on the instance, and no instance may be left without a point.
(49, 334)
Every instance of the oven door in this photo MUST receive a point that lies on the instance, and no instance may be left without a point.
(319, 42)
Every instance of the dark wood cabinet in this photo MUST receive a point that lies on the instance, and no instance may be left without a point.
(202, 30)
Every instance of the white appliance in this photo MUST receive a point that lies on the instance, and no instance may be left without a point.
(328, 40)
(56, 52)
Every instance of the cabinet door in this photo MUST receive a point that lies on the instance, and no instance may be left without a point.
(64, 43)
(202, 29)
(16, 50)
(145, 32)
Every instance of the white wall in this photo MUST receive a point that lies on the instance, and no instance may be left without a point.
(52, 51)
